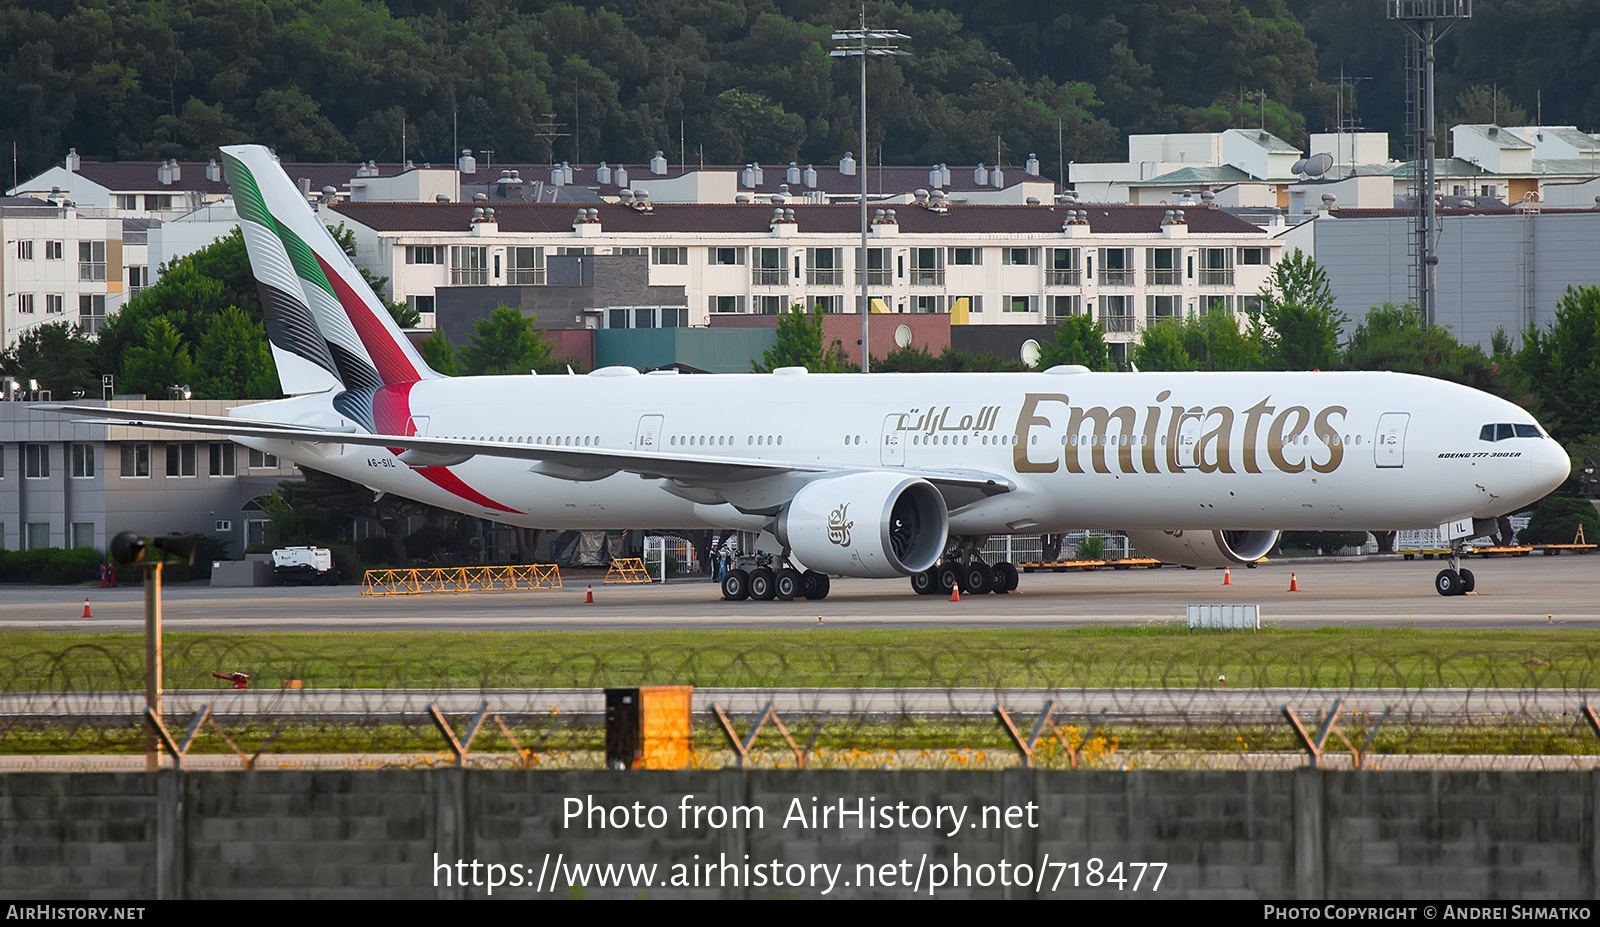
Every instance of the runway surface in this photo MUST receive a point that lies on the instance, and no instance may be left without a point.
(1154, 705)
(1381, 592)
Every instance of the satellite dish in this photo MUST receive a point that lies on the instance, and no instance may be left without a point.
(1030, 353)
(1298, 167)
(1318, 164)
(902, 336)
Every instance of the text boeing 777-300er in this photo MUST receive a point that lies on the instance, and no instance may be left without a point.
(869, 476)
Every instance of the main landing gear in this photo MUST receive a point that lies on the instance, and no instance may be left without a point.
(1453, 580)
(963, 564)
(754, 578)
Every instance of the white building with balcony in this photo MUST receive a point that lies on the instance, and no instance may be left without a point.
(1125, 266)
(65, 263)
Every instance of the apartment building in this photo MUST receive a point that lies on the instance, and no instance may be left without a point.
(1124, 266)
(64, 263)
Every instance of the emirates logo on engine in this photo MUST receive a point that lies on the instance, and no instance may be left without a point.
(839, 527)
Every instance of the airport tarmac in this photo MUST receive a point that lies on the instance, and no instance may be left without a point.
(1372, 591)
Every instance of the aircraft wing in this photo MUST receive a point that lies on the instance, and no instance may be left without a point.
(569, 463)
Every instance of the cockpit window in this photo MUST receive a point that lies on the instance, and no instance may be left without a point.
(1502, 432)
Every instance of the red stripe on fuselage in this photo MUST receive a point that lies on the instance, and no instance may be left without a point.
(391, 413)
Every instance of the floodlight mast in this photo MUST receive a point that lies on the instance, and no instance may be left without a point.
(1426, 22)
(863, 50)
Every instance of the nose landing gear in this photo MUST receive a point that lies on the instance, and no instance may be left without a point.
(1453, 580)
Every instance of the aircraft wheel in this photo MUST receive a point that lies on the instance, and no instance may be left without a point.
(1468, 582)
(762, 584)
(1006, 576)
(926, 582)
(1448, 582)
(736, 585)
(947, 574)
(978, 578)
(820, 587)
(787, 586)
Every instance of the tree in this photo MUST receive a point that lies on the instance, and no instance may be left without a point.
(1394, 338)
(1078, 340)
(58, 355)
(159, 363)
(440, 354)
(1556, 521)
(507, 343)
(233, 360)
(913, 358)
(1302, 324)
(1562, 366)
(798, 343)
(1160, 347)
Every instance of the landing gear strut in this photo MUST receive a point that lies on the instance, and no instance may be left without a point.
(755, 578)
(963, 564)
(1453, 580)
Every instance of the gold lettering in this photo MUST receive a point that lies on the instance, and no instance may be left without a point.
(1252, 422)
(1221, 437)
(1026, 419)
(1281, 434)
(1101, 420)
(1152, 427)
(1330, 437)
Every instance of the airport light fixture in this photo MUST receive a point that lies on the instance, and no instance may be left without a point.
(866, 43)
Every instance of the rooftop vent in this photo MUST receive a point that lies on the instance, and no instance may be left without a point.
(467, 164)
(620, 176)
(658, 164)
(792, 175)
(980, 175)
(847, 164)
(1032, 167)
(809, 177)
(602, 174)
(214, 171)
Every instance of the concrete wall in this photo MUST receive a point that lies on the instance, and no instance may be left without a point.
(1281, 835)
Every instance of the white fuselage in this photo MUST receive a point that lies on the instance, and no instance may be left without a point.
(1141, 450)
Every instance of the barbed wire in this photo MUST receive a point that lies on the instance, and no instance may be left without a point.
(1417, 709)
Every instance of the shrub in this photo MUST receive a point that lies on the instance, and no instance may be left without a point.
(50, 565)
(1329, 542)
(1092, 547)
(1556, 521)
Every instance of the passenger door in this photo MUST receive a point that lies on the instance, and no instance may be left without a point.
(648, 438)
(892, 452)
(1389, 449)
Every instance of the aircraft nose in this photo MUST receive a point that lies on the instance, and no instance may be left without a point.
(1550, 466)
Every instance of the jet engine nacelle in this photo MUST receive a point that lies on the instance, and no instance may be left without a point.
(873, 524)
(1204, 548)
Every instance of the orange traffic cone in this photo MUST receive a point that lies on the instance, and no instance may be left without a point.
(1294, 584)
(86, 607)
(588, 596)
(1227, 576)
(955, 592)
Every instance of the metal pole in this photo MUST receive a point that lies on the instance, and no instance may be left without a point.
(1430, 261)
(861, 165)
(152, 660)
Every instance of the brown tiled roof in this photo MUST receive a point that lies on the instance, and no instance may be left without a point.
(141, 176)
(756, 219)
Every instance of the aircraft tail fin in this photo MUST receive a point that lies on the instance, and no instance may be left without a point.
(328, 330)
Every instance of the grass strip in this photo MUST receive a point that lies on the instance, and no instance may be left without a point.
(1149, 656)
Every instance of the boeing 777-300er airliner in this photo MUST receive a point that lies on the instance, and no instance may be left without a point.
(868, 476)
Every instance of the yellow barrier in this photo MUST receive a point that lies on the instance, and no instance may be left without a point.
(461, 579)
(629, 570)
